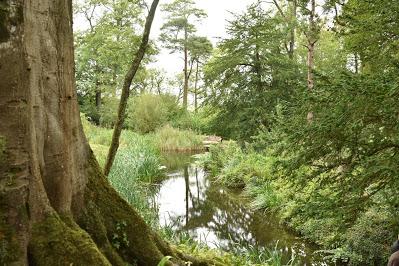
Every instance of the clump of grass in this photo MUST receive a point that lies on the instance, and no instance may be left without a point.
(137, 163)
(261, 255)
(168, 138)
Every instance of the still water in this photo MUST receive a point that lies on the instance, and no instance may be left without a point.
(187, 201)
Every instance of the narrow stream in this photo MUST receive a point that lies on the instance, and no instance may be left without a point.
(187, 201)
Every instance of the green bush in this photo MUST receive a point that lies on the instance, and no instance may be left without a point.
(369, 238)
(108, 112)
(234, 168)
(149, 112)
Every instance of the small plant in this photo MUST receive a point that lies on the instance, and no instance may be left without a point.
(164, 261)
(119, 238)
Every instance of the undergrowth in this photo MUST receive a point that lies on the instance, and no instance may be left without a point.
(366, 239)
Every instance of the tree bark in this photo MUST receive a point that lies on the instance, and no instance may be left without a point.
(291, 51)
(57, 208)
(311, 44)
(196, 87)
(98, 99)
(311, 37)
(126, 89)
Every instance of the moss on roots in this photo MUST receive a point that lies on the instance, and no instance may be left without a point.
(55, 242)
(105, 209)
(9, 248)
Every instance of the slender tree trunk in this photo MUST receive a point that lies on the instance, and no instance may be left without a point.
(312, 39)
(311, 45)
(196, 87)
(98, 100)
(126, 89)
(356, 63)
(258, 68)
(57, 208)
(185, 89)
(293, 29)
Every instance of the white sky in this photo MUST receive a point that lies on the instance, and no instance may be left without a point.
(212, 27)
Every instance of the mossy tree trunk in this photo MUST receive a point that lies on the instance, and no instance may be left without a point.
(56, 206)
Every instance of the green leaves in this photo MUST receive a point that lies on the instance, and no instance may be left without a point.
(164, 260)
(249, 73)
(180, 23)
(104, 50)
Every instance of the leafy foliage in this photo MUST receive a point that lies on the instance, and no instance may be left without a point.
(249, 73)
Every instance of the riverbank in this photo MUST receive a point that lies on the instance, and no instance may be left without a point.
(189, 202)
(137, 167)
(296, 206)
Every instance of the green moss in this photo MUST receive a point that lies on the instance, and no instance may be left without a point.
(58, 242)
(9, 248)
(106, 209)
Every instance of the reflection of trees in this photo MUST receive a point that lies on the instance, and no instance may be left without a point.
(229, 217)
(176, 161)
(213, 209)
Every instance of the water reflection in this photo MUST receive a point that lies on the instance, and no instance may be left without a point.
(188, 201)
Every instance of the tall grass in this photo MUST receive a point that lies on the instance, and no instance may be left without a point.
(168, 138)
(137, 164)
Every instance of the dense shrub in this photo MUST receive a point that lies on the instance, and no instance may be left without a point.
(149, 112)
(234, 168)
(108, 112)
(368, 238)
(311, 211)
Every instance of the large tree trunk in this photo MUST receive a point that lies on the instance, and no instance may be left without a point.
(57, 208)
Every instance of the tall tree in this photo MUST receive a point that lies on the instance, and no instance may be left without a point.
(289, 12)
(200, 50)
(178, 28)
(249, 73)
(134, 67)
(57, 208)
(101, 49)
